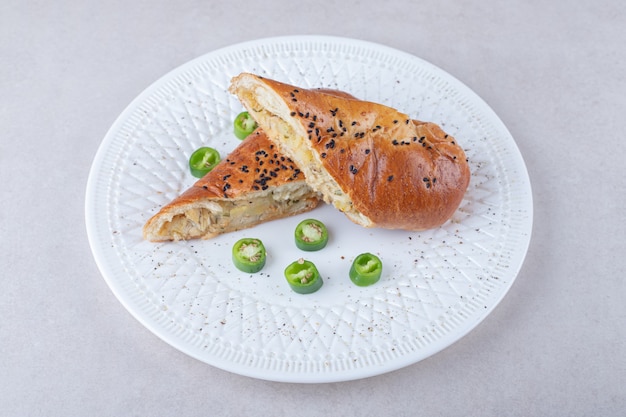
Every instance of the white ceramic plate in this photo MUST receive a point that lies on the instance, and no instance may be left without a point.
(437, 285)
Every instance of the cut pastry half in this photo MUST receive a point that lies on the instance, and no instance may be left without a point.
(372, 162)
(254, 184)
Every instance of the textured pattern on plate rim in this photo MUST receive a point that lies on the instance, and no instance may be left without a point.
(437, 285)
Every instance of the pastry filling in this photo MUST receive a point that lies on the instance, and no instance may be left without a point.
(216, 217)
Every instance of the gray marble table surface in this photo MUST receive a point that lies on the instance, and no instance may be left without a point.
(554, 72)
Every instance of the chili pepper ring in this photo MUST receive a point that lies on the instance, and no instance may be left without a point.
(311, 235)
(366, 269)
(249, 255)
(243, 125)
(203, 160)
(303, 277)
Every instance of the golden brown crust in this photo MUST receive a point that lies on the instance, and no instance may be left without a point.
(398, 173)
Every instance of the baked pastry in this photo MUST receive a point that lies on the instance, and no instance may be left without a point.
(254, 184)
(370, 161)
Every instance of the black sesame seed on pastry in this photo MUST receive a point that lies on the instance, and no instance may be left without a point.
(370, 161)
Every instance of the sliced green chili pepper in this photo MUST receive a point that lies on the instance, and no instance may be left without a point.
(366, 269)
(303, 277)
(244, 125)
(249, 255)
(202, 161)
(311, 235)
